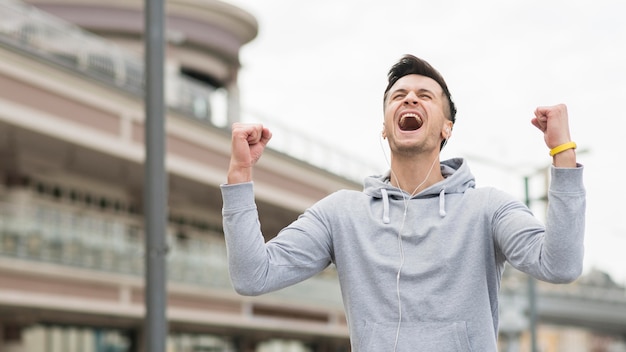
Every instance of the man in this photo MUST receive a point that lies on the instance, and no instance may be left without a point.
(419, 252)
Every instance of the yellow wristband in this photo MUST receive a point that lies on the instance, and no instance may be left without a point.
(561, 148)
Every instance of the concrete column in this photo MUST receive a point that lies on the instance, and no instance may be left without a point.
(233, 113)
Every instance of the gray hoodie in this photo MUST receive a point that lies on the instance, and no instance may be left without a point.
(454, 242)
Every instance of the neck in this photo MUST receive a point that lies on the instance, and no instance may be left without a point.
(415, 174)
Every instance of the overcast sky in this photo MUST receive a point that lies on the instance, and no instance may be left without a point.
(320, 67)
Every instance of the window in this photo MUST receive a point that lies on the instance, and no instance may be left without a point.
(62, 338)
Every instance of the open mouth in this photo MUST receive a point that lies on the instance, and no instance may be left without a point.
(410, 122)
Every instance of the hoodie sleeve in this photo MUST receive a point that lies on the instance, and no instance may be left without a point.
(553, 253)
(257, 267)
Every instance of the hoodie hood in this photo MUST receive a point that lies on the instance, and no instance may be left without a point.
(457, 179)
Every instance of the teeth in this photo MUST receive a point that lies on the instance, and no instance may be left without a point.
(408, 124)
(415, 116)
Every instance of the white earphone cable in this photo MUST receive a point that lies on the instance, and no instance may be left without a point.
(400, 245)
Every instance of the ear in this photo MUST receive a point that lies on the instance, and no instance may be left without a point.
(384, 132)
(447, 130)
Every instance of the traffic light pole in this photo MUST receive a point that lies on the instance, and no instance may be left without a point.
(532, 289)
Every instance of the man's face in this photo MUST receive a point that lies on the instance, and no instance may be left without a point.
(415, 115)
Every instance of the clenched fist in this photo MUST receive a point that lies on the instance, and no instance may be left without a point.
(248, 143)
(553, 122)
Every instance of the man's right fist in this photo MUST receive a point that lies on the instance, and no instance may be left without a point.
(248, 143)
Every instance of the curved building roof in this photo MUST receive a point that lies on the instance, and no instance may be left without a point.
(195, 28)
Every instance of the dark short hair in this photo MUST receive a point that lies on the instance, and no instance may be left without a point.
(409, 65)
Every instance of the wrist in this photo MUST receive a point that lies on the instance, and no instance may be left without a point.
(566, 158)
(564, 155)
(238, 175)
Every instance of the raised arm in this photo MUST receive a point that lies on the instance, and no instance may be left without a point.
(553, 253)
(256, 267)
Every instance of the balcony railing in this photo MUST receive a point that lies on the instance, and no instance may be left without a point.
(61, 234)
(29, 31)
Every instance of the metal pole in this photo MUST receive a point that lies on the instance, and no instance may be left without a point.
(155, 185)
(532, 290)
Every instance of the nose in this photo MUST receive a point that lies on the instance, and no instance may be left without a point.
(411, 98)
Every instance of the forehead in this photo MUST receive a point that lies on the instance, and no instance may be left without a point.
(416, 82)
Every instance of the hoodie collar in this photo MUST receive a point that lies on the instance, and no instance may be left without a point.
(457, 179)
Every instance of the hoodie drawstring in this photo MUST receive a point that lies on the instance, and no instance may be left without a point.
(386, 219)
(442, 203)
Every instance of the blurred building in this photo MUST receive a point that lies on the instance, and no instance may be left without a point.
(588, 315)
(71, 155)
(71, 192)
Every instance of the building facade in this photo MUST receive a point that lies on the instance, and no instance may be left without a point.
(71, 165)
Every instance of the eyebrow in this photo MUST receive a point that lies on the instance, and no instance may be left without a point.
(405, 90)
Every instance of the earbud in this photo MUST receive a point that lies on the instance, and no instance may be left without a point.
(447, 132)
